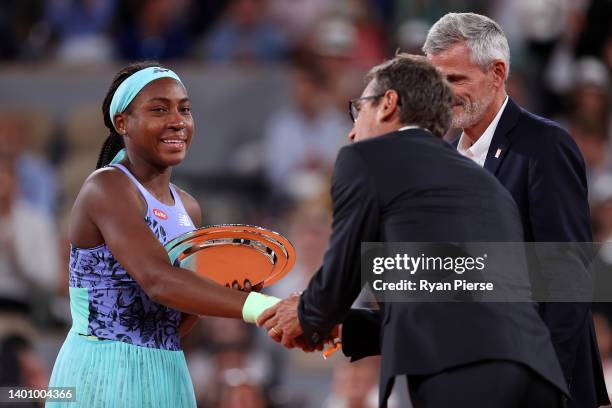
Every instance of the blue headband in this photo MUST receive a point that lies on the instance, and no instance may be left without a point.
(133, 84)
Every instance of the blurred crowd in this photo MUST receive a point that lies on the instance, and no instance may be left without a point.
(561, 67)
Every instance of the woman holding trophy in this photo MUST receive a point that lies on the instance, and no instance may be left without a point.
(129, 303)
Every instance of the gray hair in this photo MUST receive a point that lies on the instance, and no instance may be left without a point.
(484, 38)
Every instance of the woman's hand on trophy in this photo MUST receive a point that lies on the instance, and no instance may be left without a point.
(247, 286)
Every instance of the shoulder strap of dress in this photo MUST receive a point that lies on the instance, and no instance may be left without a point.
(140, 187)
(178, 202)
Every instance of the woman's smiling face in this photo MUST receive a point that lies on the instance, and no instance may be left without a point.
(157, 124)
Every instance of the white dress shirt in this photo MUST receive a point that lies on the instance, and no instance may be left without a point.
(478, 151)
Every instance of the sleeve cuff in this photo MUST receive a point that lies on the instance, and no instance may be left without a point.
(311, 332)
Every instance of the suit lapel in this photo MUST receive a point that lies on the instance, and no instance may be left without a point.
(500, 144)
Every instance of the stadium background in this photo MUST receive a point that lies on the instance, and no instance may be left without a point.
(269, 81)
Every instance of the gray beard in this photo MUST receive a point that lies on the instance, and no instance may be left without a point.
(472, 112)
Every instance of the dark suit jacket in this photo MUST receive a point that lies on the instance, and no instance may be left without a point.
(541, 166)
(410, 186)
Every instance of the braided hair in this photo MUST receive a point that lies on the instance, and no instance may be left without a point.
(114, 142)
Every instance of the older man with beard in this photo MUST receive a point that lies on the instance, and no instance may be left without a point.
(538, 163)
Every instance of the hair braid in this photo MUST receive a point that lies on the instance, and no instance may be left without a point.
(112, 145)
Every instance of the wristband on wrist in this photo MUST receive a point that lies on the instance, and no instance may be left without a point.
(255, 304)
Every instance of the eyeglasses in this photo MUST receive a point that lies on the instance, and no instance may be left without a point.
(355, 105)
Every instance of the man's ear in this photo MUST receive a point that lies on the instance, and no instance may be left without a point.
(388, 106)
(120, 123)
(499, 70)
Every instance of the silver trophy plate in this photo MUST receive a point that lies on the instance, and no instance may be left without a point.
(235, 252)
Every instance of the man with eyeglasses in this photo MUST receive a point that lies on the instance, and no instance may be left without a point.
(400, 182)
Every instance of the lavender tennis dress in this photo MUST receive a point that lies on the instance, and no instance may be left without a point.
(123, 349)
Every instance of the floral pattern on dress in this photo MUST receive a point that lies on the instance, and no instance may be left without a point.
(158, 230)
(119, 309)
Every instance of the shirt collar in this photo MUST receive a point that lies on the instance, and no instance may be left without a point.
(484, 141)
(408, 127)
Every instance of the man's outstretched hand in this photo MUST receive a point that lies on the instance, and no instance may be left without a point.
(283, 326)
(282, 323)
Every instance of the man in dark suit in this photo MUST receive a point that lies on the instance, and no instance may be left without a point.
(538, 163)
(400, 182)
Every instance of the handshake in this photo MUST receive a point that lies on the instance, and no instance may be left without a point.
(283, 326)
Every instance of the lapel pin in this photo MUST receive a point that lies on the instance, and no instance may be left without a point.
(497, 153)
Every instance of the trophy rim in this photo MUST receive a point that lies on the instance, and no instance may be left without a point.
(266, 238)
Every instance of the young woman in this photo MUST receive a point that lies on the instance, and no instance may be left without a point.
(129, 305)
